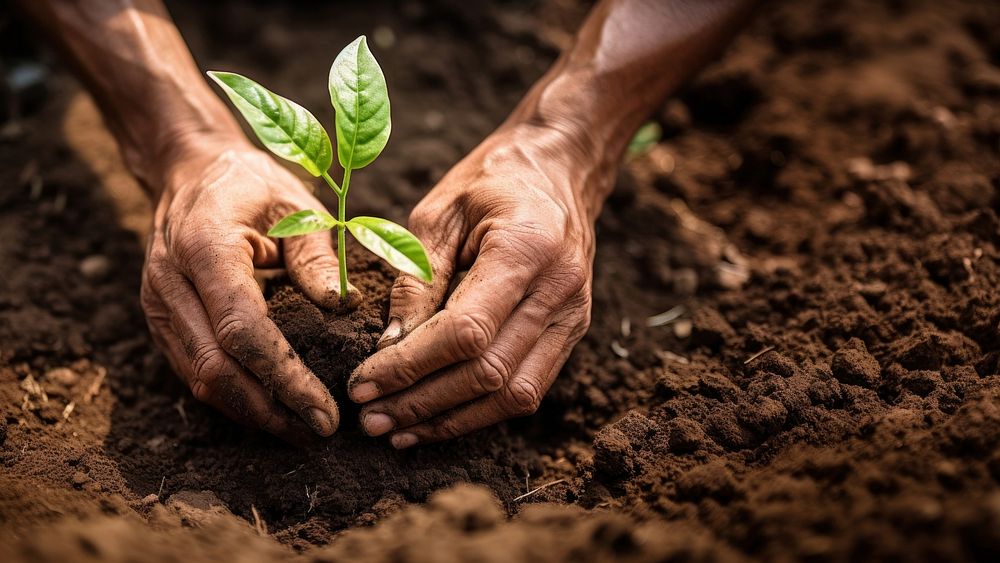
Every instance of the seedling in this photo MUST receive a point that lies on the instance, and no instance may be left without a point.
(361, 102)
(644, 139)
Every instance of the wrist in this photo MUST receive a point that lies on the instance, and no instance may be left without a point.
(560, 116)
(174, 128)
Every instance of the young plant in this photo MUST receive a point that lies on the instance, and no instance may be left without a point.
(361, 102)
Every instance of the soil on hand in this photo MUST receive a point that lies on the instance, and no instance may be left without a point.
(843, 403)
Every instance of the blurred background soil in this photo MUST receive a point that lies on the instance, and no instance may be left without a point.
(842, 404)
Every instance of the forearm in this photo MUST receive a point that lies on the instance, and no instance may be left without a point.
(138, 68)
(628, 57)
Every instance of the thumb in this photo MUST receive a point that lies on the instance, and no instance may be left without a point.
(412, 302)
(312, 264)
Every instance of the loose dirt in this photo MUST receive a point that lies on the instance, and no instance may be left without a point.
(842, 404)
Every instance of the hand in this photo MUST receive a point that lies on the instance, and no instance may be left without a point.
(513, 214)
(203, 306)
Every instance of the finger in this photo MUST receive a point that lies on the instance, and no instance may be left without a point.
(222, 278)
(520, 397)
(228, 389)
(483, 301)
(411, 301)
(312, 264)
(464, 382)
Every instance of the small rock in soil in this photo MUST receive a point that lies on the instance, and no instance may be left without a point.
(79, 479)
(468, 507)
(197, 506)
(712, 479)
(685, 435)
(95, 267)
(710, 328)
(763, 415)
(852, 364)
(613, 454)
(62, 376)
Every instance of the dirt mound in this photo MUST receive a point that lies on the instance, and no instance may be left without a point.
(843, 404)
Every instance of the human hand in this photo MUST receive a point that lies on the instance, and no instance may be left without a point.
(203, 306)
(513, 213)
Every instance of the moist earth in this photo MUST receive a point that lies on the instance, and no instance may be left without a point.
(820, 218)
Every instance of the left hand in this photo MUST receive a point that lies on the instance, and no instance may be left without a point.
(514, 214)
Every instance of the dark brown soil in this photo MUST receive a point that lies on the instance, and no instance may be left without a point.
(844, 404)
(333, 343)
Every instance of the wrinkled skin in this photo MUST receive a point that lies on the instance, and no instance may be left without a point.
(517, 213)
(515, 220)
(203, 305)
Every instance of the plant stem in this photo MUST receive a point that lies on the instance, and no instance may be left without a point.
(341, 236)
(331, 183)
(341, 227)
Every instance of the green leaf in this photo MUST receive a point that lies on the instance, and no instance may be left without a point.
(361, 100)
(286, 128)
(394, 244)
(303, 223)
(644, 139)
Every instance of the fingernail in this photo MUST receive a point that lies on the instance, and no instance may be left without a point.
(377, 423)
(364, 392)
(403, 441)
(321, 422)
(391, 334)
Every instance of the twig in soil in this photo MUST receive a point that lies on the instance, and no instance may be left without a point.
(668, 356)
(667, 317)
(34, 389)
(179, 405)
(313, 497)
(95, 386)
(758, 354)
(258, 522)
(160, 492)
(536, 489)
(619, 350)
(967, 263)
(294, 470)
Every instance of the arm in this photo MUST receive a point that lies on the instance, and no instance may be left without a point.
(519, 213)
(214, 196)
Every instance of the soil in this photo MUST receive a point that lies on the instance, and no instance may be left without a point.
(843, 403)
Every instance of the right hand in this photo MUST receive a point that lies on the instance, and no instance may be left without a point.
(203, 306)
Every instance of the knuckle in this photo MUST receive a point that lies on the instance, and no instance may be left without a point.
(547, 243)
(147, 299)
(447, 428)
(406, 289)
(405, 370)
(525, 397)
(566, 286)
(575, 277)
(202, 391)
(207, 363)
(582, 326)
(204, 246)
(233, 333)
(158, 275)
(471, 334)
(416, 410)
(490, 373)
(522, 244)
(314, 257)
